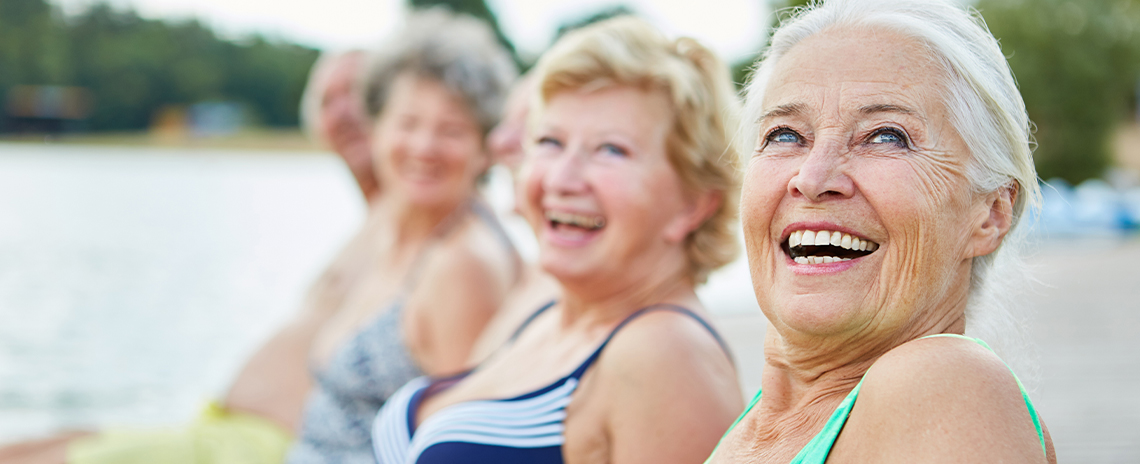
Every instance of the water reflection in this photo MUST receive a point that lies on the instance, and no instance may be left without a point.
(134, 281)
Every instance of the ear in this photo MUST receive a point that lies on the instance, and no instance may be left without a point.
(698, 209)
(992, 225)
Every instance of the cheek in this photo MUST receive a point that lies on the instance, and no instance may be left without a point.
(529, 197)
(643, 200)
(919, 198)
(764, 186)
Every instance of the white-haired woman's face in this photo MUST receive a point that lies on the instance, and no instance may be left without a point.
(601, 194)
(427, 144)
(856, 209)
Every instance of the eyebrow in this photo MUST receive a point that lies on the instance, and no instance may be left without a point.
(872, 109)
(790, 109)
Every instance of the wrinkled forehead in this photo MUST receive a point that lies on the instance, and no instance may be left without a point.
(846, 68)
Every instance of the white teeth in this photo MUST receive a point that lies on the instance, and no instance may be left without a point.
(585, 222)
(808, 238)
(822, 238)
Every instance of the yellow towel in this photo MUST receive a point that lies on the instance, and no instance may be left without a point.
(218, 436)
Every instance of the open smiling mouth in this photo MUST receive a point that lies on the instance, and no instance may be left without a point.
(564, 221)
(825, 247)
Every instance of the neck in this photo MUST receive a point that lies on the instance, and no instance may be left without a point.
(609, 307)
(801, 369)
(413, 224)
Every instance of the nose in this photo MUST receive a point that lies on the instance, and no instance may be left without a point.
(821, 176)
(422, 143)
(565, 174)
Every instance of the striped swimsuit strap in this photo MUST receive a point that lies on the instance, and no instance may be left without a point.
(524, 428)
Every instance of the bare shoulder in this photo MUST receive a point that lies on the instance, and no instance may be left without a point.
(460, 288)
(665, 342)
(946, 398)
(942, 365)
(472, 253)
(670, 390)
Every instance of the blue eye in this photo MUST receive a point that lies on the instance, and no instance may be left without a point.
(784, 135)
(611, 149)
(889, 137)
(550, 141)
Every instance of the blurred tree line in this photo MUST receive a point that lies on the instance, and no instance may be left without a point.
(132, 66)
(1077, 63)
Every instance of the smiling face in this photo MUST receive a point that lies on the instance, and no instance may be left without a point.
(604, 201)
(427, 144)
(857, 214)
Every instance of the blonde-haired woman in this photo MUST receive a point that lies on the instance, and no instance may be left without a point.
(630, 186)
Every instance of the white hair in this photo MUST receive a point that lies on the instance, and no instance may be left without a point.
(985, 108)
(315, 87)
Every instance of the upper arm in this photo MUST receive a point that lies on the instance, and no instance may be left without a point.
(671, 391)
(458, 293)
(939, 400)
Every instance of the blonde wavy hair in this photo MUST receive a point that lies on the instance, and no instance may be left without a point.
(700, 147)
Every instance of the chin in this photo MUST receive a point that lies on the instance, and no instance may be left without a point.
(819, 314)
(564, 268)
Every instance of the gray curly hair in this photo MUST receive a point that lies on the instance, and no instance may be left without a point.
(459, 51)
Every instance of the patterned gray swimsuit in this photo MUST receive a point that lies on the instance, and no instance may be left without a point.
(350, 390)
(370, 367)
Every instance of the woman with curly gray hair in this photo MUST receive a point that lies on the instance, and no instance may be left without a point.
(880, 205)
(431, 266)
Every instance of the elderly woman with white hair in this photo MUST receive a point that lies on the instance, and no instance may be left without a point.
(891, 168)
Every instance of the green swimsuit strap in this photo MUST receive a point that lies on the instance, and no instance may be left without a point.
(748, 409)
(817, 450)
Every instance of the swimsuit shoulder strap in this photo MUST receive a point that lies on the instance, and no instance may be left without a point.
(581, 370)
(530, 319)
(484, 213)
(415, 271)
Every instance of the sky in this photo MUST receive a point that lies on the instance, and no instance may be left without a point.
(734, 28)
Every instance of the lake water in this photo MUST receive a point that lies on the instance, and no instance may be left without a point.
(135, 281)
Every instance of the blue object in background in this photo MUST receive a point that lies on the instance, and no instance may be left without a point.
(1091, 208)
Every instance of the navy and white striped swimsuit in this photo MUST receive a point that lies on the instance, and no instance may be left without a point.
(526, 428)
